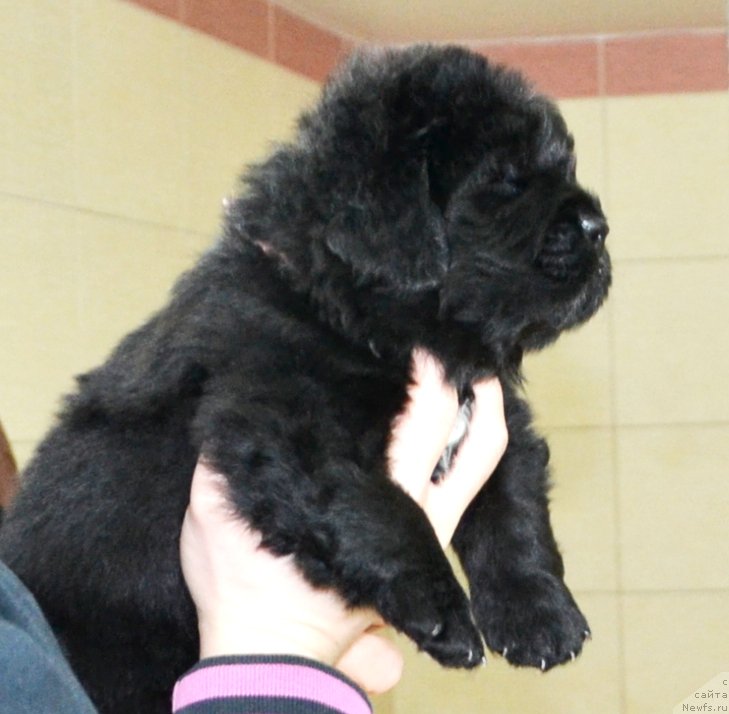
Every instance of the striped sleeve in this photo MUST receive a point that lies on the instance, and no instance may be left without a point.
(266, 685)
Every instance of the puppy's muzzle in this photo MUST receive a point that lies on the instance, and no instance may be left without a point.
(575, 237)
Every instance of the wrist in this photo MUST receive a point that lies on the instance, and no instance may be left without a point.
(253, 680)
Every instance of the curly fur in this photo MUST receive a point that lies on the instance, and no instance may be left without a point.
(429, 200)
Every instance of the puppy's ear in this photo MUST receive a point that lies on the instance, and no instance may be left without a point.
(393, 231)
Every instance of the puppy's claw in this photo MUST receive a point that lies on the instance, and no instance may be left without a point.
(587, 634)
(437, 630)
(505, 652)
(572, 655)
(543, 666)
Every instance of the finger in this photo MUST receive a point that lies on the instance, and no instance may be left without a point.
(372, 662)
(208, 488)
(476, 460)
(421, 433)
(211, 517)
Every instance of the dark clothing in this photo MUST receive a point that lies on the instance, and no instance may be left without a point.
(36, 679)
(34, 676)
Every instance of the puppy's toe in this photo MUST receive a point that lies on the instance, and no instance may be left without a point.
(437, 617)
(538, 625)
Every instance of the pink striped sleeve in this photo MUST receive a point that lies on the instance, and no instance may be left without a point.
(261, 678)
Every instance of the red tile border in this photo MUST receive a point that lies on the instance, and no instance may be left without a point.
(666, 63)
(686, 62)
(168, 8)
(243, 23)
(303, 47)
(562, 69)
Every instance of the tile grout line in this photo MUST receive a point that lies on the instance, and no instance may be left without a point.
(602, 94)
(340, 34)
(75, 103)
(594, 37)
(647, 260)
(618, 543)
(614, 420)
(718, 423)
(633, 592)
(271, 30)
(107, 214)
(186, 81)
(613, 407)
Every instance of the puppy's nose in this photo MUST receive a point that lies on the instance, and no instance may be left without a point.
(595, 227)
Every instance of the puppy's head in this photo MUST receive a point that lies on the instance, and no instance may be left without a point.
(527, 254)
(430, 179)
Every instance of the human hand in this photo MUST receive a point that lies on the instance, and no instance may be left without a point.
(251, 602)
(422, 432)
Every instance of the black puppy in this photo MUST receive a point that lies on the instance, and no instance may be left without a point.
(429, 200)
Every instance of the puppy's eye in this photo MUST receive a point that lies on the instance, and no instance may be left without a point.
(509, 185)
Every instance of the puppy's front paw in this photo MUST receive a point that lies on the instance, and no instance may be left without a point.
(533, 622)
(436, 616)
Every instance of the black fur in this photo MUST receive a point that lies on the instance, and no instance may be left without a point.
(428, 200)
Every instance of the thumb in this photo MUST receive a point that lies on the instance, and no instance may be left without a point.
(373, 662)
(421, 432)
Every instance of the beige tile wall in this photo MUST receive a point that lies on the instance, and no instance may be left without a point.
(120, 132)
